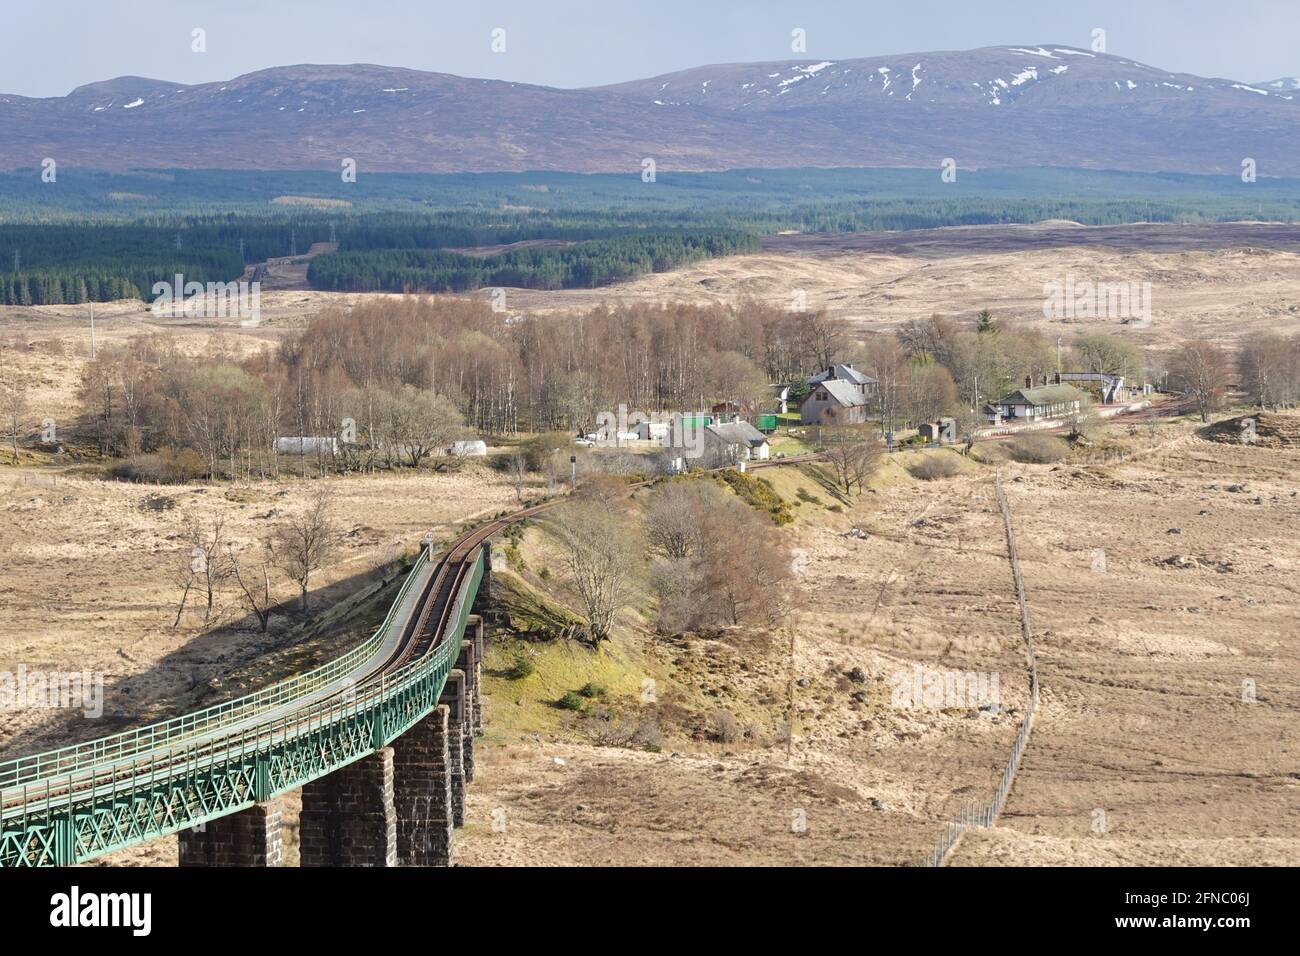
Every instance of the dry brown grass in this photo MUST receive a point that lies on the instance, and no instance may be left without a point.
(1142, 666)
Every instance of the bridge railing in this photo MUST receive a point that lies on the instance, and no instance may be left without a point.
(129, 744)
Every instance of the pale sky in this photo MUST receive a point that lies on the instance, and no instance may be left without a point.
(47, 48)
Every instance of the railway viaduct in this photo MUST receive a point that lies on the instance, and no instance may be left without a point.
(396, 806)
(380, 741)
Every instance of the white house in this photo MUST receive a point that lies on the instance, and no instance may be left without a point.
(735, 441)
(1035, 404)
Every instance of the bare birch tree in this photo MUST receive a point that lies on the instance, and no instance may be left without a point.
(602, 555)
(13, 404)
(852, 454)
(208, 565)
(1200, 370)
(302, 544)
(257, 595)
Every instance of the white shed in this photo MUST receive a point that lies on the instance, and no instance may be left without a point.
(307, 445)
(467, 449)
(652, 431)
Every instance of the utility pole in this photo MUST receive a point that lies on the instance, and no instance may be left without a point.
(92, 331)
(1058, 355)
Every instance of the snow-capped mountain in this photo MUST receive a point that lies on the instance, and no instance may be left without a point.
(1015, 105)
(1047, 76)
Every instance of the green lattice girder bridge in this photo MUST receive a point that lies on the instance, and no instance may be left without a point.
(73, 804)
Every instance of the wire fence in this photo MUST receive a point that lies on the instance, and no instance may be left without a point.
(986, 815)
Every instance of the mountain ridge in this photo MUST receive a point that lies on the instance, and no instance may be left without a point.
(1040, 105)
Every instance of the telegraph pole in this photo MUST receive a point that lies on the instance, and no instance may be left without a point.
(92, 331)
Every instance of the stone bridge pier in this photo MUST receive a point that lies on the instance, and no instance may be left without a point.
(396, 806)
(251, 837)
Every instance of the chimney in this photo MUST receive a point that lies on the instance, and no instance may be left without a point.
(1029, 381)
(830, 371)
(1056, 379)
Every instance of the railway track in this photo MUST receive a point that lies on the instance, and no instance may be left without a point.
(452, 568)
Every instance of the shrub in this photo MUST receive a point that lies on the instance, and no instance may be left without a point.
(1037, 449)
(521, 668)
(570, 701)
(633, 734)
(138, 468)
(539, 448)
(514, 557)
(724, 727)
(988, 453)
(648, 736)
(166, 466)
(934, 467)
(591, 690)
(805, 495)
(758, 493)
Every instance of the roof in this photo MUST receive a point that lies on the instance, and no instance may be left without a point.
(845, 373)
(842, 392)
(737, 433)
(1043, 395)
